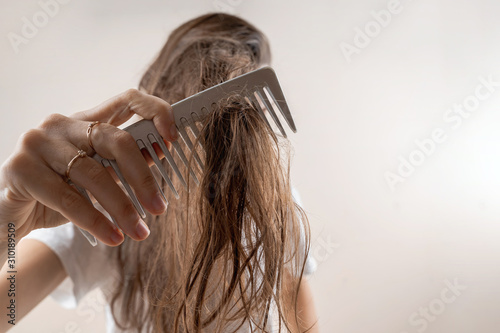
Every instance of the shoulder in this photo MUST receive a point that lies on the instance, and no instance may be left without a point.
(87, 266)
(296, 196)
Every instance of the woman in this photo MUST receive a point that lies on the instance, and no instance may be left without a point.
(228, 256)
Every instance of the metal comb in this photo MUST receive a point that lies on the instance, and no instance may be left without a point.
(260, 88)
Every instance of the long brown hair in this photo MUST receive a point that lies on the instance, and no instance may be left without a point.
(219, 257)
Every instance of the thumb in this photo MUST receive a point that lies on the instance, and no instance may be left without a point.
(121, 108)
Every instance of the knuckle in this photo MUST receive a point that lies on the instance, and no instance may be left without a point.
(123, 139)
(70, 199)
(31, 139)
(148, 182)
(18, 164)
(96, 222)
(131, 94)
(96, 173)
(168, 107)
(129, 210)
(99, 134)
(18, 161)
(52, 120)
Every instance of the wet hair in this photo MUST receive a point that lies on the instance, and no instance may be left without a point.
(226, 253)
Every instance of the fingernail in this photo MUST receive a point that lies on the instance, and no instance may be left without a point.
(142, 230)
(173, 132)
(116, 237)
(158, 203)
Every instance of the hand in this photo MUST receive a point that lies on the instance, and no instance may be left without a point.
(33, 193)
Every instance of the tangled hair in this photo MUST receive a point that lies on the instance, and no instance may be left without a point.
(226, 254)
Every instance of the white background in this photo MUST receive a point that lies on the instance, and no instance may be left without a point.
(382, 254)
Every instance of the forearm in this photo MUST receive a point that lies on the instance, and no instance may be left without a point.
(38, 272)
(9, 295)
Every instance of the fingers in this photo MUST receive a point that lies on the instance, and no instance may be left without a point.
(113, 143)
(120, 108)
(46, 151)
(76, 132)
(89, 174)
(47, 187)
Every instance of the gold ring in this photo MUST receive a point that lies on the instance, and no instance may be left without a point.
(81, 153)
(89, 131)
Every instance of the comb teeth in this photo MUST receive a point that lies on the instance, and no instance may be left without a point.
(264, 104)
(127, 187)
(281, 105)
(255, 103)
(187, 140)
(260, 88)
(169, 158)
(184, 159)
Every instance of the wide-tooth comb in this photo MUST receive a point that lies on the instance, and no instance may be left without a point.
(260, 88)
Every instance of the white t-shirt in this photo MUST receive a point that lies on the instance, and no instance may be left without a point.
(89, 267)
